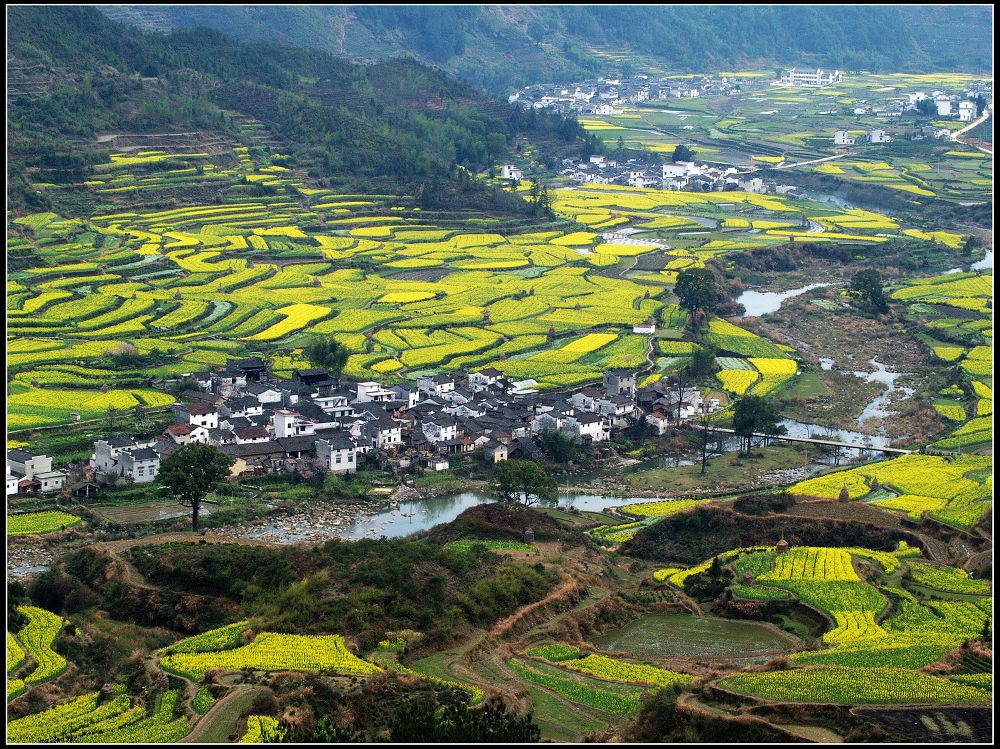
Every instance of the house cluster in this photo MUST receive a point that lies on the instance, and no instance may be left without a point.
(609, 96)
(313, 422)
(682, 175)
(844, 137)
(811, 77)
(961, 106)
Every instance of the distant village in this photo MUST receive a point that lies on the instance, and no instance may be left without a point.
(314, 423)
(607, 96)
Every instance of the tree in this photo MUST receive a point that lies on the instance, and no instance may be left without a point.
(682, 153)
(927, 107)
(866, 289)
(752, 414)
(972, 243)
(191, 472)
(698, 292)
(702, 362)
(560, 447)
(523, 481)
(326, 353)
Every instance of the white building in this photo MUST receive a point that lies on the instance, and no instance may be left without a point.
(11, 483)
(509, 171)
(943, 107)
(966, 111)
(879, 136)
(374, 392)
(842, 138)
(290, 424)
(646, 328)
(338, 453)
(436, 385)
(482, 379)
(818, 77)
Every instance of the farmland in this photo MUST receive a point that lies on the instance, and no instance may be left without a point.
(218, 201)
(782, 126)
(188, 287)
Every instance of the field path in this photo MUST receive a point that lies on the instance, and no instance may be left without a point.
(957, 135)
(504, 625)
(215, 712)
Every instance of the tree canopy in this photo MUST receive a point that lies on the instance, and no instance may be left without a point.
(752, 414)
(326, 353)
(191, 472)
(866, 289)
(523, 481)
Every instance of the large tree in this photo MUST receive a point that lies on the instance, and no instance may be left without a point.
(558, 446)
(682, 153)
(866, 289)
(523, 481)
(326, 353)
(754, 415)
(191, 472)
(699, 294)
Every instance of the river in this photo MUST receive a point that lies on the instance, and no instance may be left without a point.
(759, 303)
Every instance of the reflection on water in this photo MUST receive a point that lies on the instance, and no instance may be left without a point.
(758, 303)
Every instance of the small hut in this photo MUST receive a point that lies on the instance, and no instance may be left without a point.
(782, 546)
(529, 536)
(875, 484)
(845, 495)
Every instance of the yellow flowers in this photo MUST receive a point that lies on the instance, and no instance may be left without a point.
(274, 652)
(40, 522)
(297, 317)
(262, 729)
(615, 670)
(737, 380)
(855, 686)
(812, 563)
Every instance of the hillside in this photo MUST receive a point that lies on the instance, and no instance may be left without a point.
(504, 47)
(394, 124)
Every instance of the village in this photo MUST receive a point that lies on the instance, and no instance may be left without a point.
(318, 423)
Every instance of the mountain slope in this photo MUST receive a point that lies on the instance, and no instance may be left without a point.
(504, 47)
(393, 125)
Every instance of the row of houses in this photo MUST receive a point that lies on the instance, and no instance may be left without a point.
(315, 423)
(681, 175)
(609, 96)
(808, 77)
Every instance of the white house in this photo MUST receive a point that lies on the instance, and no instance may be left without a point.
(198, 414)
(290, 424)
(106, 452)
(440, 428)
(122, 457)
(587, 427)
(646, 328)
(50, 481)
(509, 171)
(842, 138)
(754, 185)
(943, 107)
(436, 385)
(818, 77)
(23, 464)
(374, 392)
(482, 379)
(338, 453)
(11, 483)
(879, 136)
(966, 111)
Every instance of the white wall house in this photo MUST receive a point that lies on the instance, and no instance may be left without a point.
(966, 111)
(23, 464)
(879, 136)
(369, 392)
(338, 453)
(11, 483)
(842, 138)
(509, 171)
(943, 107)
(817, 77)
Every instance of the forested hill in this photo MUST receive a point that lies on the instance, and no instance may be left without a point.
(504, 47)
(389, 126)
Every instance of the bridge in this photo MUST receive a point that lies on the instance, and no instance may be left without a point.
(814, 441)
